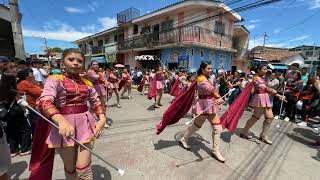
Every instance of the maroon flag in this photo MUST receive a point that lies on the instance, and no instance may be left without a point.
(177, 109)
(42, 157)
(140, 87)
(175, 88)
(153, 90)
(231, 117)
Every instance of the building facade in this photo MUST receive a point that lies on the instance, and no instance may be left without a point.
(11, 40)
(180, 35)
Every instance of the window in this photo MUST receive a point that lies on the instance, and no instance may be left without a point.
(192, 51)
(201, 53)
(219, 27)
(309, 53)
(145, 30)
(167, 25)
(319, 57)
(107, 40)
(100, 43)
(115, 38)
(135, 29)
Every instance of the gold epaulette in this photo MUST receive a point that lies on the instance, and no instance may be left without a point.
(86, 82)
(200, 79)
(57, 77)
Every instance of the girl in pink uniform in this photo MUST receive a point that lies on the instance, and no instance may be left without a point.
(127, 80)
(114, 85)
(160, 78)
(98, 81)
(261, 104)
(207, 96)
(64, 101)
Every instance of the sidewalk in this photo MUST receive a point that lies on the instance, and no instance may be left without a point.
(128, 144)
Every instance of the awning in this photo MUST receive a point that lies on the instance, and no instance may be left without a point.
(146, 58)
(277, 67)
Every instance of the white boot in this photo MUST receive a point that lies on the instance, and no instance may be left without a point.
(184, 140)
(216, 142)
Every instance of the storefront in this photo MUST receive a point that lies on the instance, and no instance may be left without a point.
(191, 58)
(148, 61)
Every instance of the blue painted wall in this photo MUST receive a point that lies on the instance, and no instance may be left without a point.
(196, 56)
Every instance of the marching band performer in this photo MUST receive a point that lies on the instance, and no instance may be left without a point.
(97, 78)
(125, 83)
(64, 101)
(114, 85)
(261, 104)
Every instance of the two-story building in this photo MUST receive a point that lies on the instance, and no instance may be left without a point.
(101, 46)
(180, 35)
(311, 55)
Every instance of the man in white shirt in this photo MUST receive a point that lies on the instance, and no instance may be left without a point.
(36, 65)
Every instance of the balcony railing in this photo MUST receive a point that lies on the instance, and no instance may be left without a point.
(188, 34)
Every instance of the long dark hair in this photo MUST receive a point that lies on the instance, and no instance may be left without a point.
(23, 74)
(257, 68)
(203, 65)
(7, 87)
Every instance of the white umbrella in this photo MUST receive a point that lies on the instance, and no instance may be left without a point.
(119, 66)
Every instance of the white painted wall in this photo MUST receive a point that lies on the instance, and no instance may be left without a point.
(294, 59)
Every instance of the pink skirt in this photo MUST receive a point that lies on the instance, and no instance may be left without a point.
(114, 86)
(260, 100)
(160, 84)
(202, 104)
(101, 90)
(84, 126)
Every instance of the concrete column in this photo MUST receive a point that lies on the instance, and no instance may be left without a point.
(16, 30)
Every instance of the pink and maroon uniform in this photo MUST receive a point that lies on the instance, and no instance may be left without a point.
(68, 95)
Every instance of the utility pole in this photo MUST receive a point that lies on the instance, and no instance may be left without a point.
(264, 40)
(46, 46)
(17, 30)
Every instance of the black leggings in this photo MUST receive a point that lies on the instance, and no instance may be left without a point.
(290, 106)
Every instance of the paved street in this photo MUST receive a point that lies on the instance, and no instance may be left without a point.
(128, 144)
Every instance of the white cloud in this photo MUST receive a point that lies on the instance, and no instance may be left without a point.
(251, 27)
(73, 10)
(259, 42)
(254, 21)
(315, 4)
(89, 28)
(92, 5)
(58, 30)
(301, 38)
(277, 31)
(62, 31)
(107, 22)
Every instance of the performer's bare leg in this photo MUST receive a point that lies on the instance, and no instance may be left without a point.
(129, 92)
(69, 158)
(159, 97)
(266, 126)
(198, 122)
(216, 133)
(257, 113)
(83, 167)
(118, 97)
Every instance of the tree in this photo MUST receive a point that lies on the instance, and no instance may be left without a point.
(55, 49)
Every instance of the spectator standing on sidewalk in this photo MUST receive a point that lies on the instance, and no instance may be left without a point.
(5, 160)
(32, 91)
(36, 65)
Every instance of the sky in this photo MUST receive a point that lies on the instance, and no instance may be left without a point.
(288, 23)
